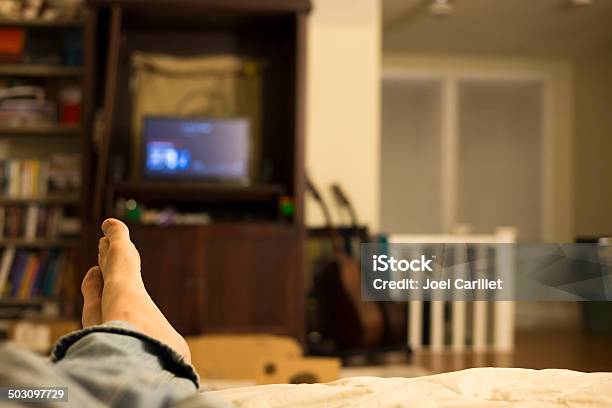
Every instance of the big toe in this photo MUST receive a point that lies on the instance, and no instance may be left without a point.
(118, 257)
(91, 287)
(115, 230)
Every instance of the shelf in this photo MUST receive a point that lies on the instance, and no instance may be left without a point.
(224, 5)
(197, 192)
(32, 70)
(8, 301)
(38, 243)
(50, 199)
(39, 23)
(40, 130)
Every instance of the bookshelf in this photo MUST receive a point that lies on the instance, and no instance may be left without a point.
(40, 197)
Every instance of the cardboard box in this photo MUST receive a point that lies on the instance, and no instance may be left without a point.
(263, 359)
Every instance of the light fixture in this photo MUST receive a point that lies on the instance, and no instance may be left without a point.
(441, 8)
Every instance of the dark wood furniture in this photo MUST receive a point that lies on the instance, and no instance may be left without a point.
(233, 278)
(243, 272)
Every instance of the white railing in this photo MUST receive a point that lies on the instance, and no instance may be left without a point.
(477, 325)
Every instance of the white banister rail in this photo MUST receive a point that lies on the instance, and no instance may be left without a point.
(478, 325)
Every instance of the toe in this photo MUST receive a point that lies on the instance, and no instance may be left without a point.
(102, 251)
(92, 282)
(91, 287)
(115, 230)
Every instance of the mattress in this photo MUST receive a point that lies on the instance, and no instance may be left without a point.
(476, 387)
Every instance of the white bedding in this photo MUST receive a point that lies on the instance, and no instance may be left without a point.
(477, 387)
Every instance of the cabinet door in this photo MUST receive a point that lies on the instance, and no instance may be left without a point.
(252, 280)
(170, 259)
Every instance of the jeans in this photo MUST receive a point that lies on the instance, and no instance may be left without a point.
(107, 365)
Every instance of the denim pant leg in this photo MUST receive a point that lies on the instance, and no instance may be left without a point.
(109, 365)
(20, 368)
(124, 368)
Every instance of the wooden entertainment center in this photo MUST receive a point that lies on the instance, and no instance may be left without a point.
(242, 273)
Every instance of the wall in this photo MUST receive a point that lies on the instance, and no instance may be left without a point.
(343, 104)
(593, 152)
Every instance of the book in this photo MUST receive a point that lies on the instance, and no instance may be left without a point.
(17, 271)
(54, 217)
(31, 222)
(41, 225)
(43, 178)
(5, 266)
(37, 178)
(12, 45)
(37, 273)
(25, 179)
(50, 272)
(14, 177)
(40, 274)
(14, 227)
(34, 181)
(28, 276)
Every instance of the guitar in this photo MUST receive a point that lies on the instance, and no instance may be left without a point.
(394, 313)
(354, 323)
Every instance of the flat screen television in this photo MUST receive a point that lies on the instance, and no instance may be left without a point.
(196, 149)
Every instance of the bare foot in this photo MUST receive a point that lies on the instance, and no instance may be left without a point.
(124, 296)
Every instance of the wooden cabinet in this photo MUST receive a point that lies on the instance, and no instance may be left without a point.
(224, 278)
(242, 273)
(168, 258)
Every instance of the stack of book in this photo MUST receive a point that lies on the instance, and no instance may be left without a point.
(64, 173)
(23, 105)
(24, 178)
(27, 274)
(33, 221)
(37, 178)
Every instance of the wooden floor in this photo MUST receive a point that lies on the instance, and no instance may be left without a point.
(558, 349)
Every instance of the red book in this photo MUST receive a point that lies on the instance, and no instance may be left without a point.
(12, 41)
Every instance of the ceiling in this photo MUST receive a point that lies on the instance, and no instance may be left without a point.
(542, 28)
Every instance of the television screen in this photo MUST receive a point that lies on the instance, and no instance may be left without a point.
(190, 149)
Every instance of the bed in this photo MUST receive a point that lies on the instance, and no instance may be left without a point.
(476, 387)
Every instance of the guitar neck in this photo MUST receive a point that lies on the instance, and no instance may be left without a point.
(334, 235)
